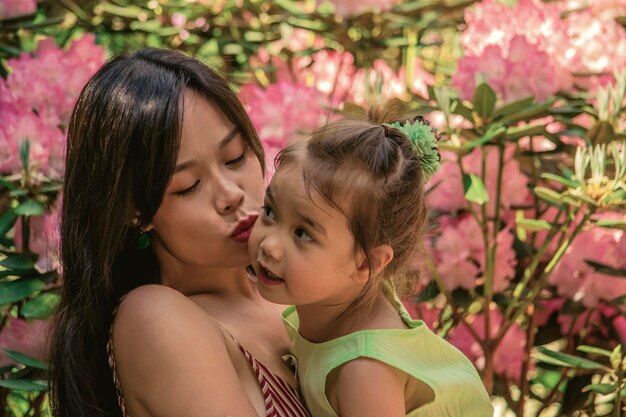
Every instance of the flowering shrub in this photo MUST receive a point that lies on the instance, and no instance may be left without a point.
(525, 265)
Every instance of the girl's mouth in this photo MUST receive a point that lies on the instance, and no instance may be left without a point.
(267, 277)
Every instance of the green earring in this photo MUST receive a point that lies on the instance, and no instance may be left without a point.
(143, 240)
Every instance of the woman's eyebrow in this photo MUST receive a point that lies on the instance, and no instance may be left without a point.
(223, 142)
(184, 165)
(229, 137)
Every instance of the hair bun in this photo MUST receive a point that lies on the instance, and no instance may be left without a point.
(423, 139)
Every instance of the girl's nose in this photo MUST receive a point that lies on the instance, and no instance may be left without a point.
(271, 248)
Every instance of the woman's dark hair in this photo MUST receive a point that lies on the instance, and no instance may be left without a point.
(372, 174)
(123, 141)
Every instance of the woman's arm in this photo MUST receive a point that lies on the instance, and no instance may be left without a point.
(172, 359)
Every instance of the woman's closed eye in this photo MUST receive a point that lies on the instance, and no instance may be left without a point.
(237, 162)
(189, 190)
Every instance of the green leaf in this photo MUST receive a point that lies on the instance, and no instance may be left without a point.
(493, 134)
(19, 261)
(570, 360)
(584, 198)
(612, 223)
(24, 384)
(13, 291)
(474, 189)
(533, 225)
(595, 350)
(533, 112)
(42, 306)
(605, 269)
(603, 389)
(131, 12)
(461, 109)
(548, 195)
(513, 107)
(515, 133)
(484, 101)
(553, 177)
(25, 360)
(18, 403)
(616, 357)
(7, 221)
(30, 208)
(289, 6)
(24, 152)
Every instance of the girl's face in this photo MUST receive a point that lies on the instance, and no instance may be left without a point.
(301, 248)
(214, 195)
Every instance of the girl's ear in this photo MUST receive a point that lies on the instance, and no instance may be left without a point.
(379, 257)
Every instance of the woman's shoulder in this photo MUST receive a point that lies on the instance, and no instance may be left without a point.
(154, 322)
(161, 338)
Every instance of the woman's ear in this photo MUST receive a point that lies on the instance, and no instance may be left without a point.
(378, 259)
(136, 221)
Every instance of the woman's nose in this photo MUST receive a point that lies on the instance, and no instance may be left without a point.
(228, 196)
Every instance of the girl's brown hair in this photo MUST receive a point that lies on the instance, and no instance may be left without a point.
(123, 142)
(372, 174)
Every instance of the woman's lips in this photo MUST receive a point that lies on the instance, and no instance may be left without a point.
(243, 229)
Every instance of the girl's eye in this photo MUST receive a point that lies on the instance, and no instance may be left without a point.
(189, 190)
(234, 163)
(302, 234)
(268, 213)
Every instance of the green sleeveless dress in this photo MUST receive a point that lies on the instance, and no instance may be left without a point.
(417, 351)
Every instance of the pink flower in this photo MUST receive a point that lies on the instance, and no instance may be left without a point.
(46, 143)
(620, 326)
(372, 85)
(36, 100)
(448, 192)
(449, 196)
(283, 112)
(330, 72)
(546, 308)
(600, 45)
(576, 279)
(51, 78)
(522, 71)
(507, 359)
(356, 7)
(602, 9)
(460, 255)
(13, 8)
(28, 337)
(179, 20)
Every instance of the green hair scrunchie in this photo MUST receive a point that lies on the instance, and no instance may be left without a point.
(424, 142)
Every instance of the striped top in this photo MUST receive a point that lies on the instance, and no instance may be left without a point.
(281, 399)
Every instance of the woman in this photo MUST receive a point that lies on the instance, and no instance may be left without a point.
(163, 182)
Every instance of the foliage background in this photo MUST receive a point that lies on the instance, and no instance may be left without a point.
(526, 254)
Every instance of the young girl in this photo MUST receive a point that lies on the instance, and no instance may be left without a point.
(343, 216)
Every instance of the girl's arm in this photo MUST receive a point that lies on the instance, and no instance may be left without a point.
(172, 359)
(368, 388)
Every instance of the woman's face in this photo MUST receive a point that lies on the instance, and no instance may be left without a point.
(213, 199)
